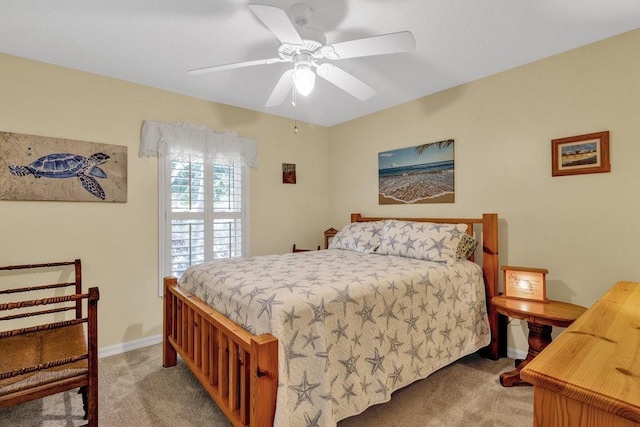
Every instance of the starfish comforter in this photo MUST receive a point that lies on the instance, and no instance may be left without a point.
(352, 327)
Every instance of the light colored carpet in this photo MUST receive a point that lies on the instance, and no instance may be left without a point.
(136, 391)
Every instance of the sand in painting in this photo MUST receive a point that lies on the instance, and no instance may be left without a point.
(417, 186)
(447, 198)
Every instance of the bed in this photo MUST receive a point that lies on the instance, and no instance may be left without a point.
(312, 338)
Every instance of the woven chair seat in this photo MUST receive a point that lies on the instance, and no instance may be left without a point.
(28, 352)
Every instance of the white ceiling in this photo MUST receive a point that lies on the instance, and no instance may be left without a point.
(155, 42)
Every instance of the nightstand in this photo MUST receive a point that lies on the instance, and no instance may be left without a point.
(541, 317)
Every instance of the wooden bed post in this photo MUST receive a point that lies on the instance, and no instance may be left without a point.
(497, 347)
(169, 354)
(264, 380)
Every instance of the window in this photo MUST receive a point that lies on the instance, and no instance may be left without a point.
(203, 193)
(203, 211)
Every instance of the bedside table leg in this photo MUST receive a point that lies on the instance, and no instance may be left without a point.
(539, 338)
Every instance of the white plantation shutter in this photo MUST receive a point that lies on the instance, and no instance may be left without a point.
(203, 193)
(186, 216)
(206, 216)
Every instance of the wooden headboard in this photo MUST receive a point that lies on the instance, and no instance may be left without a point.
(488, 225)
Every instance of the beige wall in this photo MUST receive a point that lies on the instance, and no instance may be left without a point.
(118, 242)
(583, 228)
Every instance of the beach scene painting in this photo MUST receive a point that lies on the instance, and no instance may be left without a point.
(580, 154)
(419, 174)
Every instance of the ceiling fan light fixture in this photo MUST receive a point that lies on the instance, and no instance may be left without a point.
(304, 79)
(306, 48)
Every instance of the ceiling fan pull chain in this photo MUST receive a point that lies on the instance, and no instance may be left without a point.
(295, 112)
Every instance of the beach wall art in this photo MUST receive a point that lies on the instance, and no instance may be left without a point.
(420, 174)
(43, 168)
(580, 154)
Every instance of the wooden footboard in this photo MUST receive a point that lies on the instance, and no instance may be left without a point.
(238, 370)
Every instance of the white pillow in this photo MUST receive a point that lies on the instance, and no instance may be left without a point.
(421, 240)
(358, 237)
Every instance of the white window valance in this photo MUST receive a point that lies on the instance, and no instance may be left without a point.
(159, 139)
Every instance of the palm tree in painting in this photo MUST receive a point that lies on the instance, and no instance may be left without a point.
(439, 145)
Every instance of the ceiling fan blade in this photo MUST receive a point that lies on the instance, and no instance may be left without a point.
(236, 65)
(282, 89)
(376, 45)
(278, 22)
(346, 81)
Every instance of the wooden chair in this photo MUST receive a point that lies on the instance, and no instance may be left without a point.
(302, 250)
(46, 351)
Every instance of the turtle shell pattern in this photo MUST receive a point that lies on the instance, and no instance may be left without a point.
(59, 165)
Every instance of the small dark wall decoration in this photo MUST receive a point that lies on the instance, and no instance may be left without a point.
(288, 173)
(43, 168)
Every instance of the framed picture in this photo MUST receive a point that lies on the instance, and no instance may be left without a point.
(580, 154)
(421, 174)
(288, 173)
(42, 168)
(525, 283)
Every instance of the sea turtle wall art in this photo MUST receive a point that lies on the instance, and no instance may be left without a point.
(42, 168)
(65, 165)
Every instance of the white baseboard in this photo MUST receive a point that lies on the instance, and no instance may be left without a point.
(512, 353)
(112, 350)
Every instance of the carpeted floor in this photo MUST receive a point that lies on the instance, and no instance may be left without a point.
(136, 391)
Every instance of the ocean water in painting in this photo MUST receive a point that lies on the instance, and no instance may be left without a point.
(413, 183)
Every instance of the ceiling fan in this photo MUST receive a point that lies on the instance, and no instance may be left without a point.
(305, 47)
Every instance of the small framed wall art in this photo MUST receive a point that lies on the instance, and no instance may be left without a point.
(580, 154)
(525, 283)
(288, 173)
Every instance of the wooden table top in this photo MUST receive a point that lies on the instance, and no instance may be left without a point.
(596, 360)
(552, 313)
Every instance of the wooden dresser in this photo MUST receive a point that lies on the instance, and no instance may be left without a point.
(590, 375)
